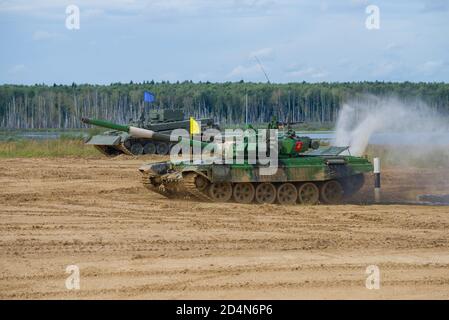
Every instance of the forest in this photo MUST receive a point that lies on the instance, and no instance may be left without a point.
(62, 106)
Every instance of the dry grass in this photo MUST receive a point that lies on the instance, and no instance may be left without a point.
(46, 148)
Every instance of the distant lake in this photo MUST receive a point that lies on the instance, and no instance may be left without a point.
(394, 138)
(39, 134)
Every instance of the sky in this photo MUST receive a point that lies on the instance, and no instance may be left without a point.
(219, 40)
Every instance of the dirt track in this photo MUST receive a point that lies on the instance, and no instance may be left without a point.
(129, 243)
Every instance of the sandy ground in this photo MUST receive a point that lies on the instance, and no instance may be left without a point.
(130, 243)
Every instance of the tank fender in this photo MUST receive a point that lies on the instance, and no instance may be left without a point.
(221, 173)
(201, 173)
(158, 168)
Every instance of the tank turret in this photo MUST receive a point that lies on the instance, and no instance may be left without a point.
(289, 144)
(163, 121)
(166, 115)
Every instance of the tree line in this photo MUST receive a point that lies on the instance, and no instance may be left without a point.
(62, 106)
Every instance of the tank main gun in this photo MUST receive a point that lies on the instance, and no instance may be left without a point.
(289, 143)
(134, 131)
(140, 133)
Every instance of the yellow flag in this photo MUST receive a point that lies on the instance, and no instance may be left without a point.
(195, 127)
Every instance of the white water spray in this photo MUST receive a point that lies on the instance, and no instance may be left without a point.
(360, 119)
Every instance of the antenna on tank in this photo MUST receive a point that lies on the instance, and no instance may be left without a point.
(262, 68)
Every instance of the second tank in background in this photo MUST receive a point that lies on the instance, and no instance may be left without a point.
(113, 143)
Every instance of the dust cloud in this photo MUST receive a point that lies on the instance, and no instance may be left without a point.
(413, 133)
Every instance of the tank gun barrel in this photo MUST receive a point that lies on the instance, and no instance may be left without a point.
(105, 124)
(133, 131)
(138, 132)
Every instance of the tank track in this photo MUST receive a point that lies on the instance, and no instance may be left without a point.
(188, 182)
(103, 151)
(174, 185)
(124, 149)
(160, 189)
(121, 147)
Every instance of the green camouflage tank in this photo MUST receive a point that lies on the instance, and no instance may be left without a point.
(115, 142)
(305, 173)
(323, 176)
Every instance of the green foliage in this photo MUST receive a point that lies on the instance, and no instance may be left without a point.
(62, 106)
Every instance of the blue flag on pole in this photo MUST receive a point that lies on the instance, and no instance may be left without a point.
(148, 96)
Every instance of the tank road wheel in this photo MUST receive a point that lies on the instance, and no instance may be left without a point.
(265, 193)
(220, 191)
(149, 148)
(287, 194)
(136, 149)
(128, 143)
(308, 193)
(244, 192)
(162, 148)
(331, 192)
(201, 182)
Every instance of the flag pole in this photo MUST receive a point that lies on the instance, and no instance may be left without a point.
(246, 108)
(191, 140)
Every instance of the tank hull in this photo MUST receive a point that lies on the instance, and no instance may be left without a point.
(308, 176)
(115, 142)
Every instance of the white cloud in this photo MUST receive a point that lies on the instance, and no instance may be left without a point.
(435, 5)
(170, 76)
(222, 37)
(360, 2)
(92, 13)
(264, 53)
(42, 35)
(241, 71)
(324, 6)
(431, 66)
(308, 72)
(134, 7)
(385, 68)
(393, 46)
(18, 68)
(203, 76)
